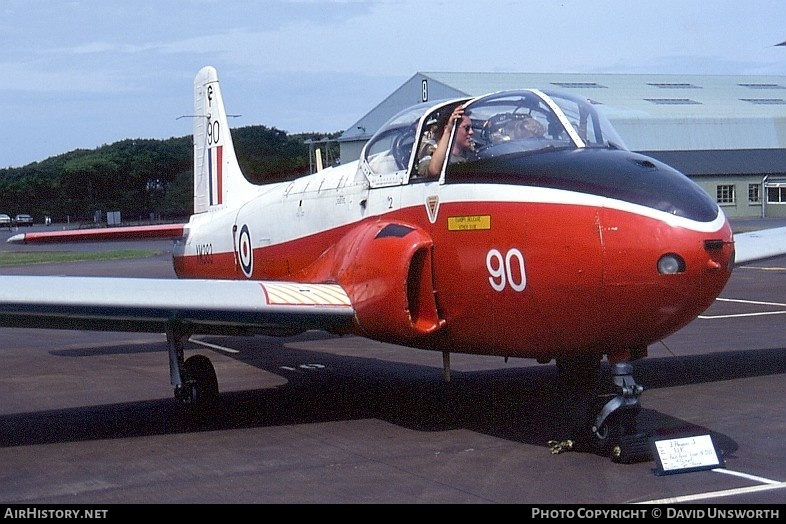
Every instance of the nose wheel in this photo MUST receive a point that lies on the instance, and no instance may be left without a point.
(614, 430)
(610, 422)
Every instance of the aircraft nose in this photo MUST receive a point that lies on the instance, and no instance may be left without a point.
(662, 275)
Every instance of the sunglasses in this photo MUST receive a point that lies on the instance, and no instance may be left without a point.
(466, 127)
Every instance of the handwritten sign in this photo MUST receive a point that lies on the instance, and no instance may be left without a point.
(683, 454)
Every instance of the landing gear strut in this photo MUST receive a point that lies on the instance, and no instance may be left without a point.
(195, 381)
(608, 423)
(614, 430)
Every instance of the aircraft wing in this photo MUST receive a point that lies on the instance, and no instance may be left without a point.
(100, 234)
(229, 307)
(758, 245)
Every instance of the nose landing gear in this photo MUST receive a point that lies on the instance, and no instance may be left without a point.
(609, 426)
(614, 431)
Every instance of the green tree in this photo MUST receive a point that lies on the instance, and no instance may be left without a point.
(140, 177)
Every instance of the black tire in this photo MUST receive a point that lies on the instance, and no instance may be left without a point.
(199, 376)
(619, 428)
(606, 438)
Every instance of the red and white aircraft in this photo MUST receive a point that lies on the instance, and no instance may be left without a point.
(554, 242)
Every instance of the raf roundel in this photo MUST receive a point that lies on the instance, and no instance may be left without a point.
(245, 252)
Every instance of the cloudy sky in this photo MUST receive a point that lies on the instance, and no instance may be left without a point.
(83, 73)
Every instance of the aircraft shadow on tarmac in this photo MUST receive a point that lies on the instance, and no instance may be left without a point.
(523, 404)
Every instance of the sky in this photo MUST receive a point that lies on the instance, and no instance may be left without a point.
(84, 73)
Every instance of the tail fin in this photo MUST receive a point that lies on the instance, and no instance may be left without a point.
(217, 176)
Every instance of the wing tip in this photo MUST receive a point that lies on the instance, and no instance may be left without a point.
(19, 238)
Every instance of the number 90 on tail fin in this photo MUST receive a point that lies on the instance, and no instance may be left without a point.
(218, 179)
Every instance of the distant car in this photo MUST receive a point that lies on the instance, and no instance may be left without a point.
(23, 220)
(5, 221)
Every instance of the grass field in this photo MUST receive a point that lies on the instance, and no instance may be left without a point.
(43, 257)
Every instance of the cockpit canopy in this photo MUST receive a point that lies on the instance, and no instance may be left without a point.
(504, 123)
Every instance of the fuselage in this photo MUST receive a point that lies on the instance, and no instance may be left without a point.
(528, 255)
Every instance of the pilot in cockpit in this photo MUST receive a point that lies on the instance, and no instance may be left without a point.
(430, 164)
(514, 127)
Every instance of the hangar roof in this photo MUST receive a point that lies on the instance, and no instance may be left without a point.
(652, 112)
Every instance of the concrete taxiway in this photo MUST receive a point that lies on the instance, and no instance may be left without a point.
(89, 418)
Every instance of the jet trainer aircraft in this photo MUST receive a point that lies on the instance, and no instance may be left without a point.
(553, 242)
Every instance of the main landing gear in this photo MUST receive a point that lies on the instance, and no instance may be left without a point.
(606, 423)
(196, 385)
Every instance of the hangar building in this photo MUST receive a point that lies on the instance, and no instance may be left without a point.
(728, 133)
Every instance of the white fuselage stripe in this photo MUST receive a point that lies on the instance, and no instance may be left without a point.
(309, 207)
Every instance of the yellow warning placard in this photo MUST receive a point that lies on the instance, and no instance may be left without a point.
(469, 223)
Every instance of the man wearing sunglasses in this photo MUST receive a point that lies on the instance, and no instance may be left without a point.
(463, 146)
